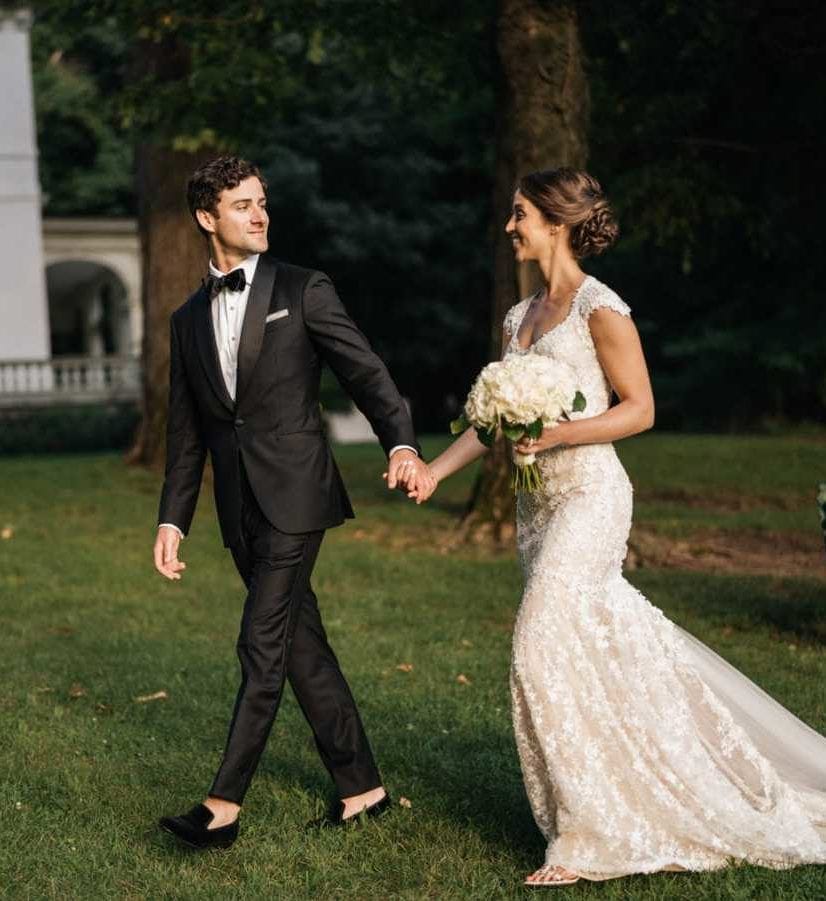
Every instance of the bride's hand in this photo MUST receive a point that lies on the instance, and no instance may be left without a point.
(422, 485)
(416, 479)
(548, 439)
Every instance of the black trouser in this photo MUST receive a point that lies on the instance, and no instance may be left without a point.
(282, 637)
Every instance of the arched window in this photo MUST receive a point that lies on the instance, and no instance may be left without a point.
(88, 310)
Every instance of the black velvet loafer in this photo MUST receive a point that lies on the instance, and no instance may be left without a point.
(334, 817)
(191, 829)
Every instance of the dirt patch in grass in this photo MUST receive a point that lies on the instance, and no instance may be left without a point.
(723, 501)
(436, 539)
(747, 552)
(792, 554)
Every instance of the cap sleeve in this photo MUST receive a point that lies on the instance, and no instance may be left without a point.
(596, 296)
(514, 317)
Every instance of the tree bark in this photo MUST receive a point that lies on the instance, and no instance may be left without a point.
(174, 262)
(542, 116)
(173, 250)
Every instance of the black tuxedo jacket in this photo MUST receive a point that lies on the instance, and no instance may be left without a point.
(274, 426)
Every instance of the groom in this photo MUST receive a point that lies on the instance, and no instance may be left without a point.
(246, 355)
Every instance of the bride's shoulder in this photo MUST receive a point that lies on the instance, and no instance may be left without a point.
(594, 295)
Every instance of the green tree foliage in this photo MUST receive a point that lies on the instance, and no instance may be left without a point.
(388, 189)
(372, 125)
(708, 131)
(374, 122)
(85, 156)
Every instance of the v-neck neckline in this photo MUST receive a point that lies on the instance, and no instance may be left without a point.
(554, 327)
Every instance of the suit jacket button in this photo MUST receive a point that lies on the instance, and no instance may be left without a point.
(239, 422)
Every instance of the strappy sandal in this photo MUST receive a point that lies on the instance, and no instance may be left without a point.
(551, 875)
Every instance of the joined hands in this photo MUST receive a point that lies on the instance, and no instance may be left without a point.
(410, 474)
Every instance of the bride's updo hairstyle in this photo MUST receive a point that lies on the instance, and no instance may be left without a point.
(574, 198)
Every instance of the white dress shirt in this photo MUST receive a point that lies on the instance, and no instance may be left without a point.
(228, 309)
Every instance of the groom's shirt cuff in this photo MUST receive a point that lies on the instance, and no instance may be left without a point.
(399, 447)
(171, 525)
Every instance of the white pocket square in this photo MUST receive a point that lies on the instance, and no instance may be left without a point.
(278, 314)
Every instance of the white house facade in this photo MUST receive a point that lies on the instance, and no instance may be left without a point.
(70, 298)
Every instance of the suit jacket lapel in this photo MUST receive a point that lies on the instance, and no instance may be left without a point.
(208, 349)
(252, 332)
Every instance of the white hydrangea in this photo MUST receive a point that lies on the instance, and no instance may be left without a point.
(519, 390)
(521, 395)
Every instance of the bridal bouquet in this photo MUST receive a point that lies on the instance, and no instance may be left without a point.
(521, 395)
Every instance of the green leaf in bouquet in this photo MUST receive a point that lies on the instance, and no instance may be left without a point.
(512, 432)
(459, 425)
(579, 402)
(487, 438)
(534, 430)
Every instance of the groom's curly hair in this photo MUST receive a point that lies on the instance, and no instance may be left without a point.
(206, 183)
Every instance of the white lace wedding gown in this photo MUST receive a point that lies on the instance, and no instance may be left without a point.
(641, 749)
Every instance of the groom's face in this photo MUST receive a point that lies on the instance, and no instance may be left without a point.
(239, 223)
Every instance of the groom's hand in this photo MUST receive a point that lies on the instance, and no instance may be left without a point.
(401, 466)
(410, 474)
(166, 553)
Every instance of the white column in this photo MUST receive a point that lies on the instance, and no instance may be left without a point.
(24, 311)
(93, 323)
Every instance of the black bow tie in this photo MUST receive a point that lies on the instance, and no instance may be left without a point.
(232, 281)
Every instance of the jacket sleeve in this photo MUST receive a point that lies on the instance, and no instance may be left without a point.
(359, 369)
(185, 449)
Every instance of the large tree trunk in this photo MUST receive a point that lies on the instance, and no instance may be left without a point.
(174, 252)
(174, 262)
(542, 116)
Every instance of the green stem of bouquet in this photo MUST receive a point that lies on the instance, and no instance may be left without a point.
(526, 478)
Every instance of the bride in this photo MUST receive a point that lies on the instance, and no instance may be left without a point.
(641, 749)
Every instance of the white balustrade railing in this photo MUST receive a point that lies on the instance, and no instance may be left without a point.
(69, 380)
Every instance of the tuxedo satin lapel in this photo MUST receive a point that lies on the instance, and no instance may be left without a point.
(208, 349)
(252, 332)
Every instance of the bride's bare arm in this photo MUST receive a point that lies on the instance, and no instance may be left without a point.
(619, 350)
(465, 449)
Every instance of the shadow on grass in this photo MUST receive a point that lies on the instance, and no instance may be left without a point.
(787, 607)
(470, 779)
(478, 784)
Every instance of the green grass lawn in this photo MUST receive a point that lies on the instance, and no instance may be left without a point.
(87, 627)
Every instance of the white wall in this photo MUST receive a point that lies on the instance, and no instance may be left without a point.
(24, 324)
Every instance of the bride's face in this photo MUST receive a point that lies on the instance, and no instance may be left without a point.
(531, 233)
